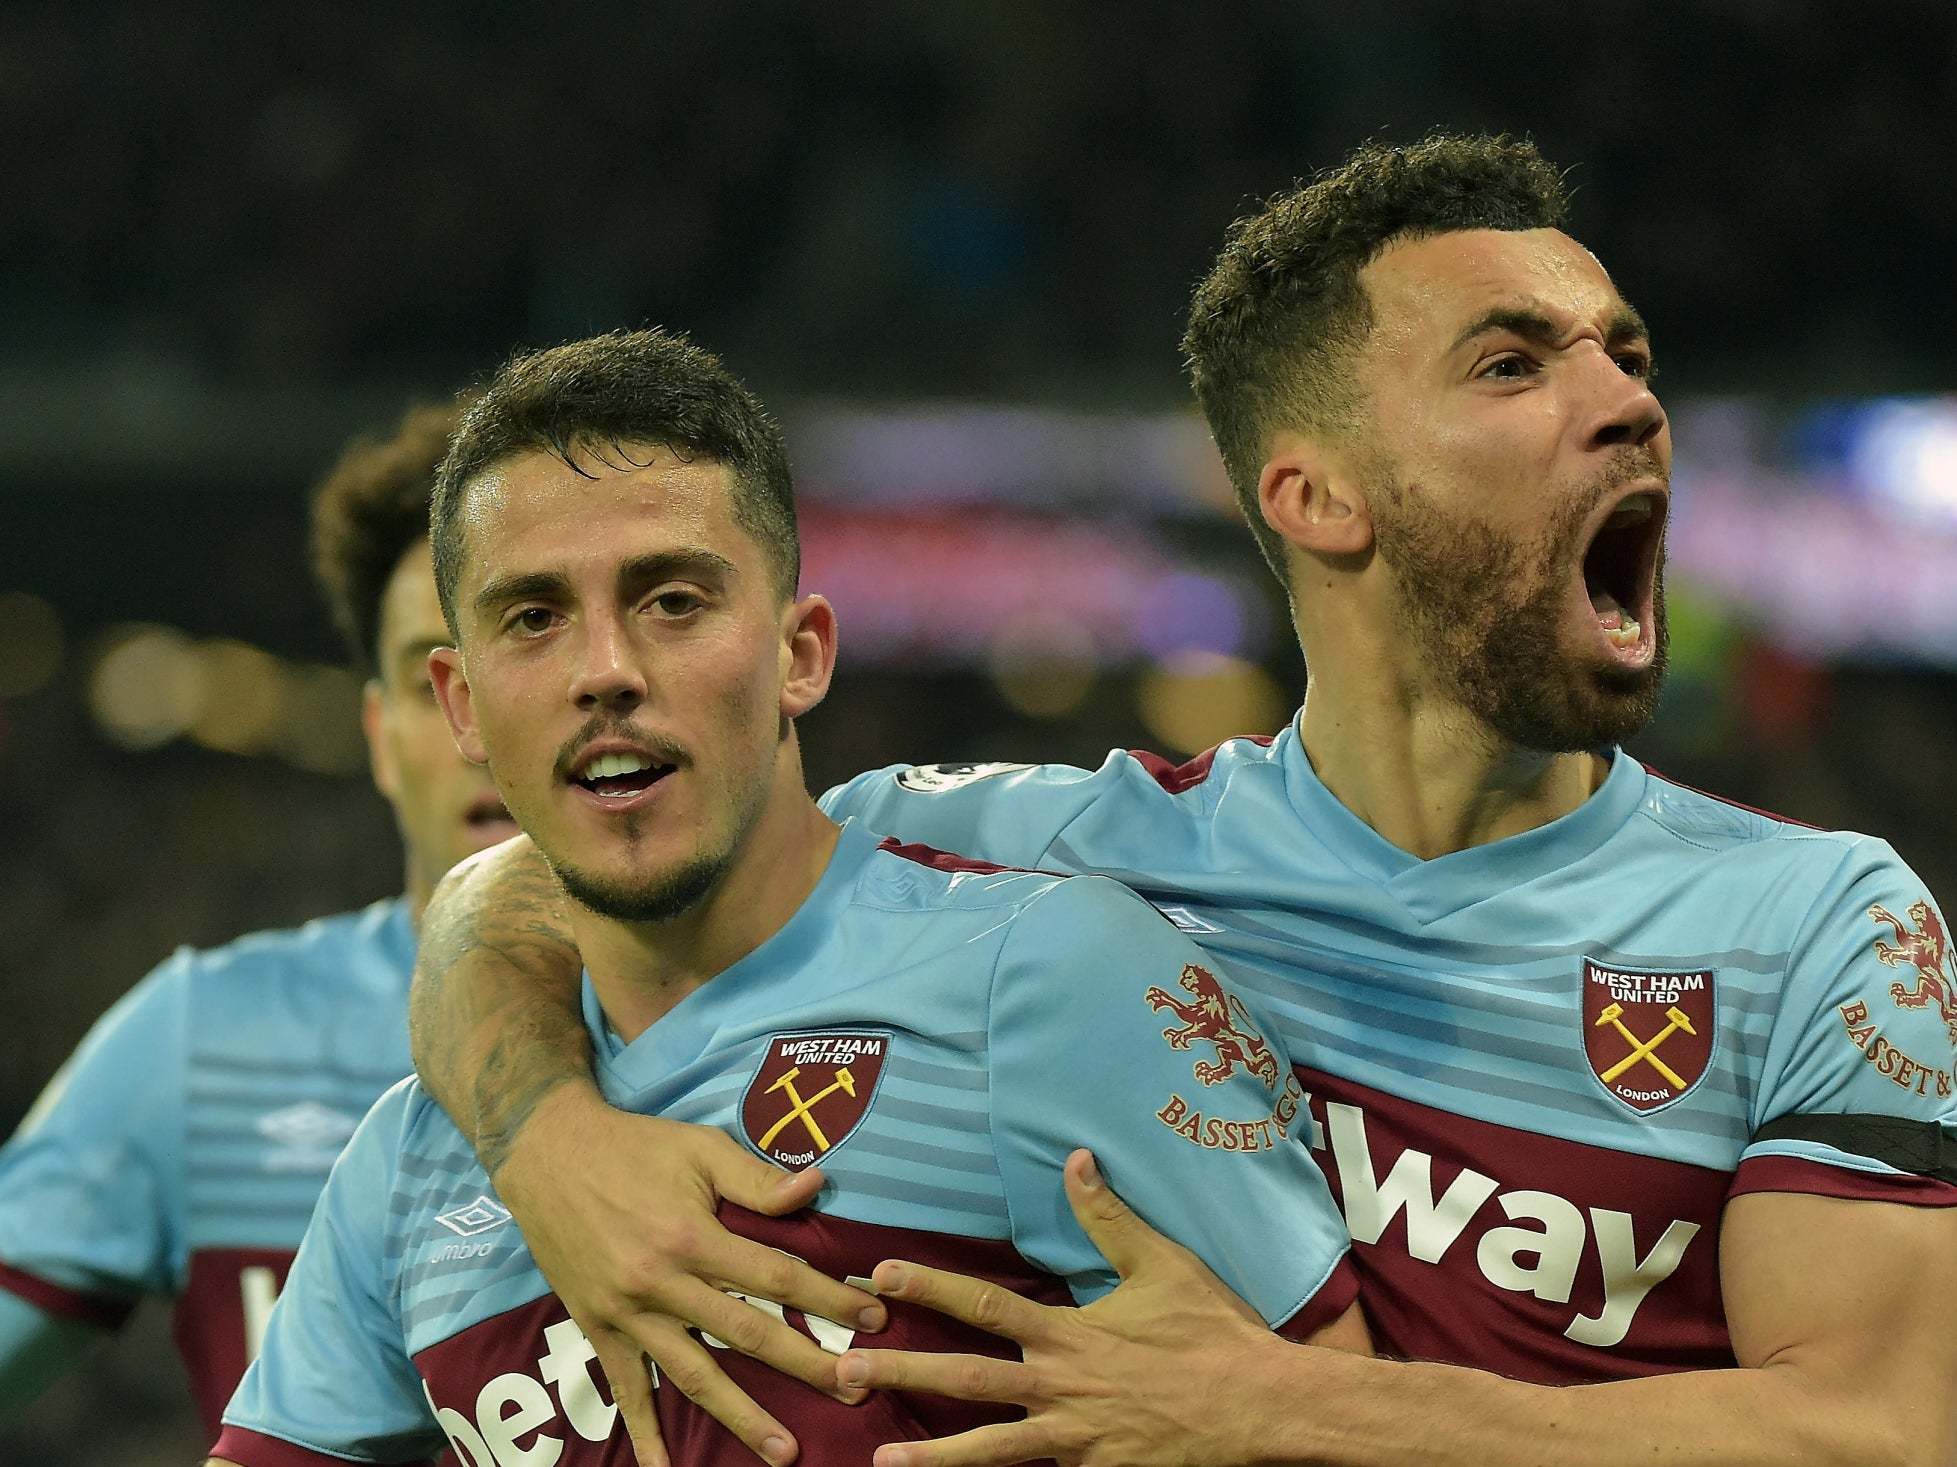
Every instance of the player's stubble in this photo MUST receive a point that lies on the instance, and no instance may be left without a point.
(665, 894)
(1491, 611)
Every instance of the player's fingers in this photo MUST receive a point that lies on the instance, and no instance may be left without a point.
(630, 1380)
(1110, 1224)
(738, 1175)
(962, 1377)
(989, 1446)
(768, 1273)
(991, 1308)
(759, 1330)
(689, 1367)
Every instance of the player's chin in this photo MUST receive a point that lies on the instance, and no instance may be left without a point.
(1612, 703)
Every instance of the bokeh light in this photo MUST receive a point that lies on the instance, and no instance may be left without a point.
(147, 685)
(1197, 699)
(1042, 664)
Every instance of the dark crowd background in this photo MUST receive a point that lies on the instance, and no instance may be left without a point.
(951, 244)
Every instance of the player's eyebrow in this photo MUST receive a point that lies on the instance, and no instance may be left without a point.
(505, 589)
(693, 562)
(1625, 325)
(641, 570)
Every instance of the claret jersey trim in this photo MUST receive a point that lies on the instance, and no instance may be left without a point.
(1175, 778)
(100, 1310)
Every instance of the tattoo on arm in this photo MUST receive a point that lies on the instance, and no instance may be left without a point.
(493, 1014)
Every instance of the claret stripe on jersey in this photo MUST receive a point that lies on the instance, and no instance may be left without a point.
(1582, 1040)
(989, 1020)
(183, 1150)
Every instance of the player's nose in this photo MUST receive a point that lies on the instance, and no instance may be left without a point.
(607, 673)
(1624, 410)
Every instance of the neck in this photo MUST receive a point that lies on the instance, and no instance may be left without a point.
(640, 970)
(1421, 770)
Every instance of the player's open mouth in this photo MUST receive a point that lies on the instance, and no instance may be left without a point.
(1620, 571)
(618, 777)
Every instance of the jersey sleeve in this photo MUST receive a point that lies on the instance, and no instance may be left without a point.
(1855, 1098)
(90, 1198)
(1111, 1030)
(333, 1380)
(1004, 813)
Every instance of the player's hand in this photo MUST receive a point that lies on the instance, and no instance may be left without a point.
(618, 1211)
(1161, 1370)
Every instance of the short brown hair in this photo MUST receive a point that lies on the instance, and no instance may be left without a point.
(606, 392)
(1272, 324)
(371, 510)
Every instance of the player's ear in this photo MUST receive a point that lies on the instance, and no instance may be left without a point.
(458, 705)
(808, 654)
(1312, 498)
(380, 750)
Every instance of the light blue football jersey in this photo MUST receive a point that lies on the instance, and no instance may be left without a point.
(181, 1150)
(937, 1038)
(1539, 1068)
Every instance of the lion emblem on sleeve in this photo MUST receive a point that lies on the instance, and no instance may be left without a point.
(1921, 946)
(1218, 1019)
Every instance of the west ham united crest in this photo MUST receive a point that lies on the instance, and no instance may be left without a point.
(1648, 1036)
(811, 1092)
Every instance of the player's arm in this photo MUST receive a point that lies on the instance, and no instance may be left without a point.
(1107, 1022)
(333, 1381)
(1839, 1313)
(86, 1189)
(1834, 1267)
(618, 1209)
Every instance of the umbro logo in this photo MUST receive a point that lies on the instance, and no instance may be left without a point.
(307, 1137)
(479, 1216)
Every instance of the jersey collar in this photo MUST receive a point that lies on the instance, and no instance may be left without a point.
(682, 1035)
(1433, 889)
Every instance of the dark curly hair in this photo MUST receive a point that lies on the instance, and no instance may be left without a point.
(371, 510)
(1272, 325)
(604, 394)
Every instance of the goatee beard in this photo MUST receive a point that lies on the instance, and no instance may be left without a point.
(1492, 613)
(671, 894)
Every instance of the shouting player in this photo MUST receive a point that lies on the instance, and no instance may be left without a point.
(1621, 1086)
(616, 549)
(181, 1151)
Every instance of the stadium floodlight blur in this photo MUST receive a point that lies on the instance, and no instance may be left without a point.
(1831, 532)
(1043, 549)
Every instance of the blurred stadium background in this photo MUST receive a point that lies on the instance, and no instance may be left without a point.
(951, 244)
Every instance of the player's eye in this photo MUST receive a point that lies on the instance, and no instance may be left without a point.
(677, 603)
(532, 620)
(1510, 367)
(1636, 364)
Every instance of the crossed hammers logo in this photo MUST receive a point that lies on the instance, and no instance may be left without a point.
(804, 1110)
(1644, 1050)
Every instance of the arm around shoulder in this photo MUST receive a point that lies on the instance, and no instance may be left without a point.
(493, 1015)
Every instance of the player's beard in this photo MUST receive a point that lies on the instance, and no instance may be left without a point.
(1491, 613)
(675, 890)
(672, 893)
